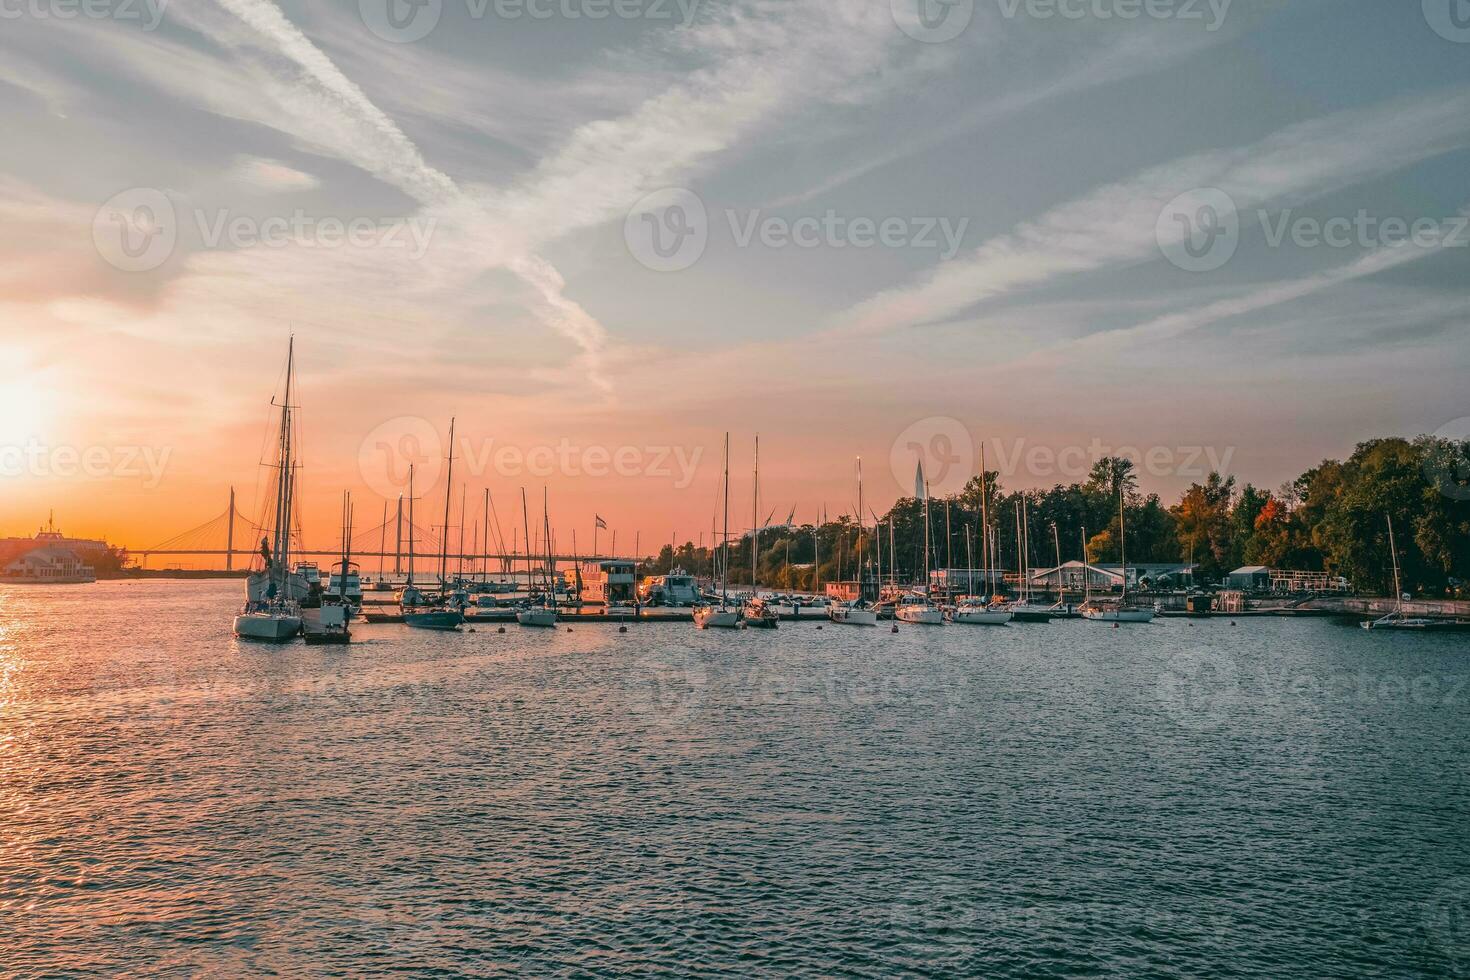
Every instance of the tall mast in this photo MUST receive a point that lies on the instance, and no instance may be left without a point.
(346, 542)
(463, 520)
(1057, 543)
(1086, 572)
(1122, 541)
(485, 553)
(755, 516)
(410, 523)
(926, 538)
(1398, 591)
(282, 530)
(526, 520)
(546, 531)
(985, 553)
(725, 539)
(858, 557)
(448, 487)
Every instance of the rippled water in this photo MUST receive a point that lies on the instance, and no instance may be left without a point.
(1284, 798)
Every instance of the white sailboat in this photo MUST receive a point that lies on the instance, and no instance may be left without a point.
(858, 612)
(722, 615)
(978, 611)
(1398, 619)
(758, 613)
(439, 615)
(542, 614)
(1121, 610)
(271, 611)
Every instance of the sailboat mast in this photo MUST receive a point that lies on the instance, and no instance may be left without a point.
(283, 466)
(985, 553)
(1056, 541)
(1086, 572)
(1398, 590)
(448, 489)
(725, 534)
(526, 521)
(546, 530)
(485, 553)
(755, 516)
(410, 523)
(1122, 541)
(858, 558)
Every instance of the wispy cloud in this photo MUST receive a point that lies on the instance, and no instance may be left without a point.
(1117, 224)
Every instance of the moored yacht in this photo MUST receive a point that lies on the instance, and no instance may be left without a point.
(271, 611)
(721, 613)
(976, 612)
(918, 609)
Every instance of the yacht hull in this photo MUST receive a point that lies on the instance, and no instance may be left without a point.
(539, 618)
(920, 615)
(267, 628)
(438, 619)
(852, 617)
(708, 617)
(1119, 615)
(978, 617)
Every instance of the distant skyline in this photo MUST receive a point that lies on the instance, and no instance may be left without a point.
(603, 233)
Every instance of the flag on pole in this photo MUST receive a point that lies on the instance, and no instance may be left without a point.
(600, 522)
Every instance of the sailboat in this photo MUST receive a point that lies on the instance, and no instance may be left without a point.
(858, 612)
(916, 607)
(1397, 620)
(722, 616)
(543, 614)
(271, 611)
(439, 615)
(1024, 610)
(1121, 611)
(758, 613)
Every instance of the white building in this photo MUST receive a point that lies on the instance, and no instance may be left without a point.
(49, 565)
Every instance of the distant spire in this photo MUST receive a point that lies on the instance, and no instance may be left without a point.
(921, 486)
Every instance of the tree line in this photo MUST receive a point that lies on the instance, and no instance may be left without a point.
(1333, 518)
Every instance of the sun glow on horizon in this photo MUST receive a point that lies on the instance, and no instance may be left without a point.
(24, 412)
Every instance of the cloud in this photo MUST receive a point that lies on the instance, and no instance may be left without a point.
(271, 175)
(1116, 224)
